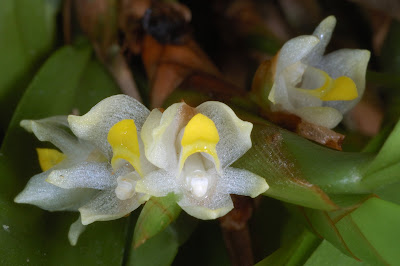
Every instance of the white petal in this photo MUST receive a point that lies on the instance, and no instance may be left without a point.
(216, 206)
(324, 33)
(84, 175)
(158, 184)
(242, 182)
(234, 133)
(351, 63)
(52, 198)
(94, 125)
(324, 116)
(55, 130)
(106, 206)
(294, 51)
(160, 133)
(75, 230)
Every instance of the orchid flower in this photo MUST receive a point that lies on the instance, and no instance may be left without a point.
(316, 87)
(90, 174)
(193, 149)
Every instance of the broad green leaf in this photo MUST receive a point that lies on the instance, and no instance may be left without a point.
(52, 92)
(295, 253)
(162, 248)
(27, 35)
(389, 153)
(373, 225)
(384, 169)
(326, 254)
(376, 143)
(333, 171)
(156, 215)
(368, 232)
(389, 192)
(269, 158)
(35, 236)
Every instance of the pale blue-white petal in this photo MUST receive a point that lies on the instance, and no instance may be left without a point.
(106, 206)
(234, 133)
(84, 175)
(158, 183)
(351, 63)
(56, 130)
(215, 206)
(294, 51)
(324, 33)
(50, 197)
(160, 133)
(242, 182)
(75, 230)
(95, 125)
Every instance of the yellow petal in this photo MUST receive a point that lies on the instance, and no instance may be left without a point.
(49, 158)
(341, 89)
(344, 89)
(200, 135)
(124, 143)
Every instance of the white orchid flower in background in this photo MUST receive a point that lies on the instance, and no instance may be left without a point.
(318, 88)
(80, 177)
(193, 149)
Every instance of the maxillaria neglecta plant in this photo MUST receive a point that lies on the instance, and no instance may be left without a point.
(120, 154)
(303, 81)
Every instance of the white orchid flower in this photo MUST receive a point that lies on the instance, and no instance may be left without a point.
(193, 149)
(318, 88)
(90, 174)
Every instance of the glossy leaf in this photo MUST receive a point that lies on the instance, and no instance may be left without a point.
(327, 254)
(269, 159)
(333, 171)
(36, 236)
(156, 215)
(368, 233)
(162, 248)
(27, 35)
(389, 154)
(294, 253)
(384, 169)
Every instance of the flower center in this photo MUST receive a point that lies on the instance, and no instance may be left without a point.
(198, 183)
(196, 176)
(126, 187)
(319, 84)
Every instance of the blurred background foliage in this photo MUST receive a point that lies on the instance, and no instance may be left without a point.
(324, 207)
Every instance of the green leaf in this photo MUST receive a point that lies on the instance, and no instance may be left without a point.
(269, 159)
(52, 92)
(326, 254)
(27, 35)
(369, 232)
(389, 153)
(37, 236)
(294, 253)
(159, 250)
(156, 215)
(333, 171)
(384, 169)
(300, 171)
(162, 248)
